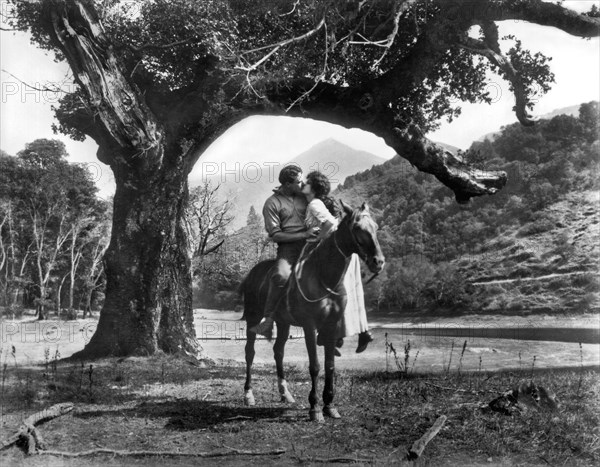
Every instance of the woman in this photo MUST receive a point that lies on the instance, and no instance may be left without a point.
(321, 212)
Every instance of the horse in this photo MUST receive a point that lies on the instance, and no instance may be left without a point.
(315, 300)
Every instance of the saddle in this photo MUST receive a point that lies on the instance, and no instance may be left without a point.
(283, 310)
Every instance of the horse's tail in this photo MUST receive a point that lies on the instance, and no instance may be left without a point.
(253, 290)
(242, 293)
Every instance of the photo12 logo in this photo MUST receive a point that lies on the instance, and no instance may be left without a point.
(51, 332)
(253, 172)
(37, 93)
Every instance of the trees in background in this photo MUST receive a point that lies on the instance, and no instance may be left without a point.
(422, 231)
(49, 217)
(206, 219)
(218, 279)
(156, 86)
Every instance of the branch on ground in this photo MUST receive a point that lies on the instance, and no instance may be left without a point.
(113, 452)
(28, 432)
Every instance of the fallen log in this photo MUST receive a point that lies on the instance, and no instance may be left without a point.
(114, 452)
(28, 432)
(418, 446)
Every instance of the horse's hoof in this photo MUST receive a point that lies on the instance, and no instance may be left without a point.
(331, 412)
(287, 397)
(316, 416)
(249, 399)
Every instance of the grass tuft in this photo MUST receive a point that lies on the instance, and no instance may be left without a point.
(161, 402)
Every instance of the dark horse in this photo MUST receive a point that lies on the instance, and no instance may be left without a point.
(315, 300)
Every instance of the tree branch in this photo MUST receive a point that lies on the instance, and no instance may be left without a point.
(114, 452)
(44, 89)
(28, 431)
(491, 49)
(535, 11)
(212, 249)
(141, 48)
(283, 43)
(78, 33)
(344, 106)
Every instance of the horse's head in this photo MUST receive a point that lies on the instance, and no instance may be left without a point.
(362, 231)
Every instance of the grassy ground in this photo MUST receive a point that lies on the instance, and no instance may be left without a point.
(162, 403)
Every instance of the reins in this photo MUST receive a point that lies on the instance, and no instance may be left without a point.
(329, 290)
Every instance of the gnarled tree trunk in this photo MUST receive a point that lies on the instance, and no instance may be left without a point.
(142, 135)
(148, 305)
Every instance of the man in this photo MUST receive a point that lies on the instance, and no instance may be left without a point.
(284, 213)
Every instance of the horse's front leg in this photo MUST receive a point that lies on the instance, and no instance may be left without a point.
(250, 340)
(329, 390)
(283, 331)
(313, 366)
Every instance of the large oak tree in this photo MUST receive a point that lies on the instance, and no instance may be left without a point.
(159, 80)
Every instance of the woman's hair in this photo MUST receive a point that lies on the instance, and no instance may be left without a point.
(289, 173)
(319, 183)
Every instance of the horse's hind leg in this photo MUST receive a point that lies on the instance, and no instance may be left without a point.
(329, 390)
(283, 331)
(313, 366)
(250, 339)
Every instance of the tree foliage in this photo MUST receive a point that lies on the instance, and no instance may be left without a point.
(49, 213)
(158, 81)
(424, 233)
(379, 64)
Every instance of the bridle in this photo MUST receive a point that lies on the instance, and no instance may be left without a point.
(360, 253)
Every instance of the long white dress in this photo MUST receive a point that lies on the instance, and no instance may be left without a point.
(355, 314)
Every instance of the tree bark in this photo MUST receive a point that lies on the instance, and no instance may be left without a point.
(148, 305)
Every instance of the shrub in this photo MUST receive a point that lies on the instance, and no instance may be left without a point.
(14, 311)
(536, 227)
(67, 314)
(516, 305)
(590, 301)
(588, 281)
(449, 288)
(560, 283)
(408, 280)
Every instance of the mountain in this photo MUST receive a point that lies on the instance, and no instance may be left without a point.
(448, 147)
(251, 184)
(572, 110)
(336, 160)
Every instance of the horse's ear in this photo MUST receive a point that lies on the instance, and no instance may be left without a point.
(347, 209)
(364, 207)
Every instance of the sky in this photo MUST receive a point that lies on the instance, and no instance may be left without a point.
(25, 113)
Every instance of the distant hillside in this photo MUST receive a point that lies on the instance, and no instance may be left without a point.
(336, 160)
(534, 246)
(447, 147)
(253, 184)
(572, 110)
(547, 264)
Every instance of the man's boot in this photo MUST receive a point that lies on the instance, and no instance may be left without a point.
(265, 327)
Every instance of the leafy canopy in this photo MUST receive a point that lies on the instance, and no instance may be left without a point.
(194, 60)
